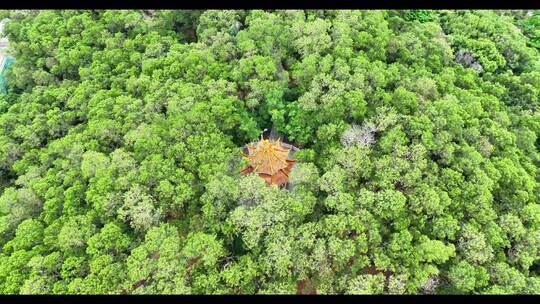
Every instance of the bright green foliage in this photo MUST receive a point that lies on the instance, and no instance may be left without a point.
(121, 134)
(420, 15)
(531, 28)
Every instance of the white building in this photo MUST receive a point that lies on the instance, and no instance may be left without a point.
(4, 43)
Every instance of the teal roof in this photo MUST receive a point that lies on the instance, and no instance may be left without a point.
(5, 63)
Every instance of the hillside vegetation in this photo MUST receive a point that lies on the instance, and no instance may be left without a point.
(121, 135)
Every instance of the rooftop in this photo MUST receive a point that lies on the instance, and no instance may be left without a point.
(4, 43)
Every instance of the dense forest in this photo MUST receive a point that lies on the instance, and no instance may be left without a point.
(417, 170)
